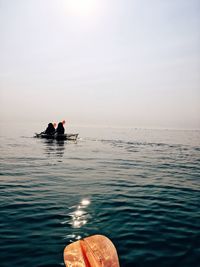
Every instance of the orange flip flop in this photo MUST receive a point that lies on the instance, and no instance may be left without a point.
(92, 251)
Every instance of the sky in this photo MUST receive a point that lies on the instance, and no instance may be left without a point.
(129, 63)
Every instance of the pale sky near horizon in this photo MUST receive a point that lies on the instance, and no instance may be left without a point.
(110, 62)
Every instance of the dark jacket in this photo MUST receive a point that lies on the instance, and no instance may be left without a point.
(60, 129)
(50, 129)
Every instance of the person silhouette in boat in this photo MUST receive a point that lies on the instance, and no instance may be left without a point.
(60, 129)
(50, 130)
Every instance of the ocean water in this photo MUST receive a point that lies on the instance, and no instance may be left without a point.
(139, 187)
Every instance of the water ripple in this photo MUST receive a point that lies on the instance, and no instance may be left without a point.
(143, 193)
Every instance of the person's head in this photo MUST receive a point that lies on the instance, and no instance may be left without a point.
(50, 126)
(60, 125)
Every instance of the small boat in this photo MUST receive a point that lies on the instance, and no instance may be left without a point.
(71, 137)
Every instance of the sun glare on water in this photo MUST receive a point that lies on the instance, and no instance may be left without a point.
(81, 7)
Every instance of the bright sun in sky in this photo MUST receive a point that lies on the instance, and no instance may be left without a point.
(81, 7)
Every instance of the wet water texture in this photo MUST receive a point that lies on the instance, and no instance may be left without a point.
(138, 187)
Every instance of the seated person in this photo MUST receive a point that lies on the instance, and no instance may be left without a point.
(60, 129)
(50, 129)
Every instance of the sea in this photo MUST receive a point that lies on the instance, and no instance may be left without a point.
(139, 187)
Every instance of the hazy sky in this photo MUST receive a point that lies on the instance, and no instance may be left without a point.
(110, 62)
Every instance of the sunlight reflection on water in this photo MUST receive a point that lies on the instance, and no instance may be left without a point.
(79, 217)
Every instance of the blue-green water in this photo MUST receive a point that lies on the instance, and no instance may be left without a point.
(141, 189)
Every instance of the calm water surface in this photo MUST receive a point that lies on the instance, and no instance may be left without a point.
(139, 187)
